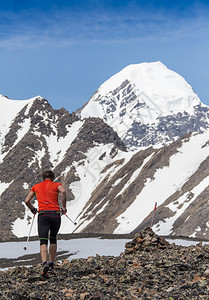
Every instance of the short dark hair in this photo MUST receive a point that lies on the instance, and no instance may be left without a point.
(48, 175)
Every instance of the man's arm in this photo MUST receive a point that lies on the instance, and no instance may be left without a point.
(28, 202)
(62, 193)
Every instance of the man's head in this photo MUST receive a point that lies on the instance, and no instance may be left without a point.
(48, 175)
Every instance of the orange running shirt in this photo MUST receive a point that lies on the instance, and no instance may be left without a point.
(47, 195)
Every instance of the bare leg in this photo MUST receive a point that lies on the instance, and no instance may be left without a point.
(52, 252)
(44, 252)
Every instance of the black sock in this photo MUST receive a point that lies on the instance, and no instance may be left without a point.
(45, 262)
(51, 265)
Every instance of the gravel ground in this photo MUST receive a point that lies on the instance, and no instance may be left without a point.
(149, 268)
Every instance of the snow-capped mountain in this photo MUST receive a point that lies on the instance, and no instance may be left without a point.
(147, 104)
(35, 137)
(110, 189)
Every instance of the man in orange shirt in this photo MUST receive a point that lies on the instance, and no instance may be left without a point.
(49, 216)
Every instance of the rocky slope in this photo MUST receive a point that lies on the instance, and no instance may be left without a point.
(175, 176)
(149, 268)
(39, 138)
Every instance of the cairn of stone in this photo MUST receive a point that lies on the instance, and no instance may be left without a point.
(145, 240)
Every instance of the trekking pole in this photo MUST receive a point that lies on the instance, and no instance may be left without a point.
(70, 219)
(153, 215)
(25, 248)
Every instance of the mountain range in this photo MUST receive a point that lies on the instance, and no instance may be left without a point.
(141, 138)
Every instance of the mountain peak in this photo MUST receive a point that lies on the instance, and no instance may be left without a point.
(166, 88)
(141, 97)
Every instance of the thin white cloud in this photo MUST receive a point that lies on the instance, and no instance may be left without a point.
(65, 28)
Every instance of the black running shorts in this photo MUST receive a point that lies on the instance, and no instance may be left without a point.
(48, 221)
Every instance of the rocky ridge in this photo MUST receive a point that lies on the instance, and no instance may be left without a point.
(46, 144)
(149, 268)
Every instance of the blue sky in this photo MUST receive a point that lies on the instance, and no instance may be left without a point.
(64, 50)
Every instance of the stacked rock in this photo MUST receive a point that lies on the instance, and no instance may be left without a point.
(145, 240)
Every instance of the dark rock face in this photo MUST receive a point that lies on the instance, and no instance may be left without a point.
(150, 272)
(167, 129)
(95, 130)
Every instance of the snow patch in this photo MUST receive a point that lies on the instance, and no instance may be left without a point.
(58, 147)
(20, 227)
(38, 155)
(25, 126)
(25, 185)
(9, 109)
(4, 186)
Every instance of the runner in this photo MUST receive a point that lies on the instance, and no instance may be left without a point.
(49, 216)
